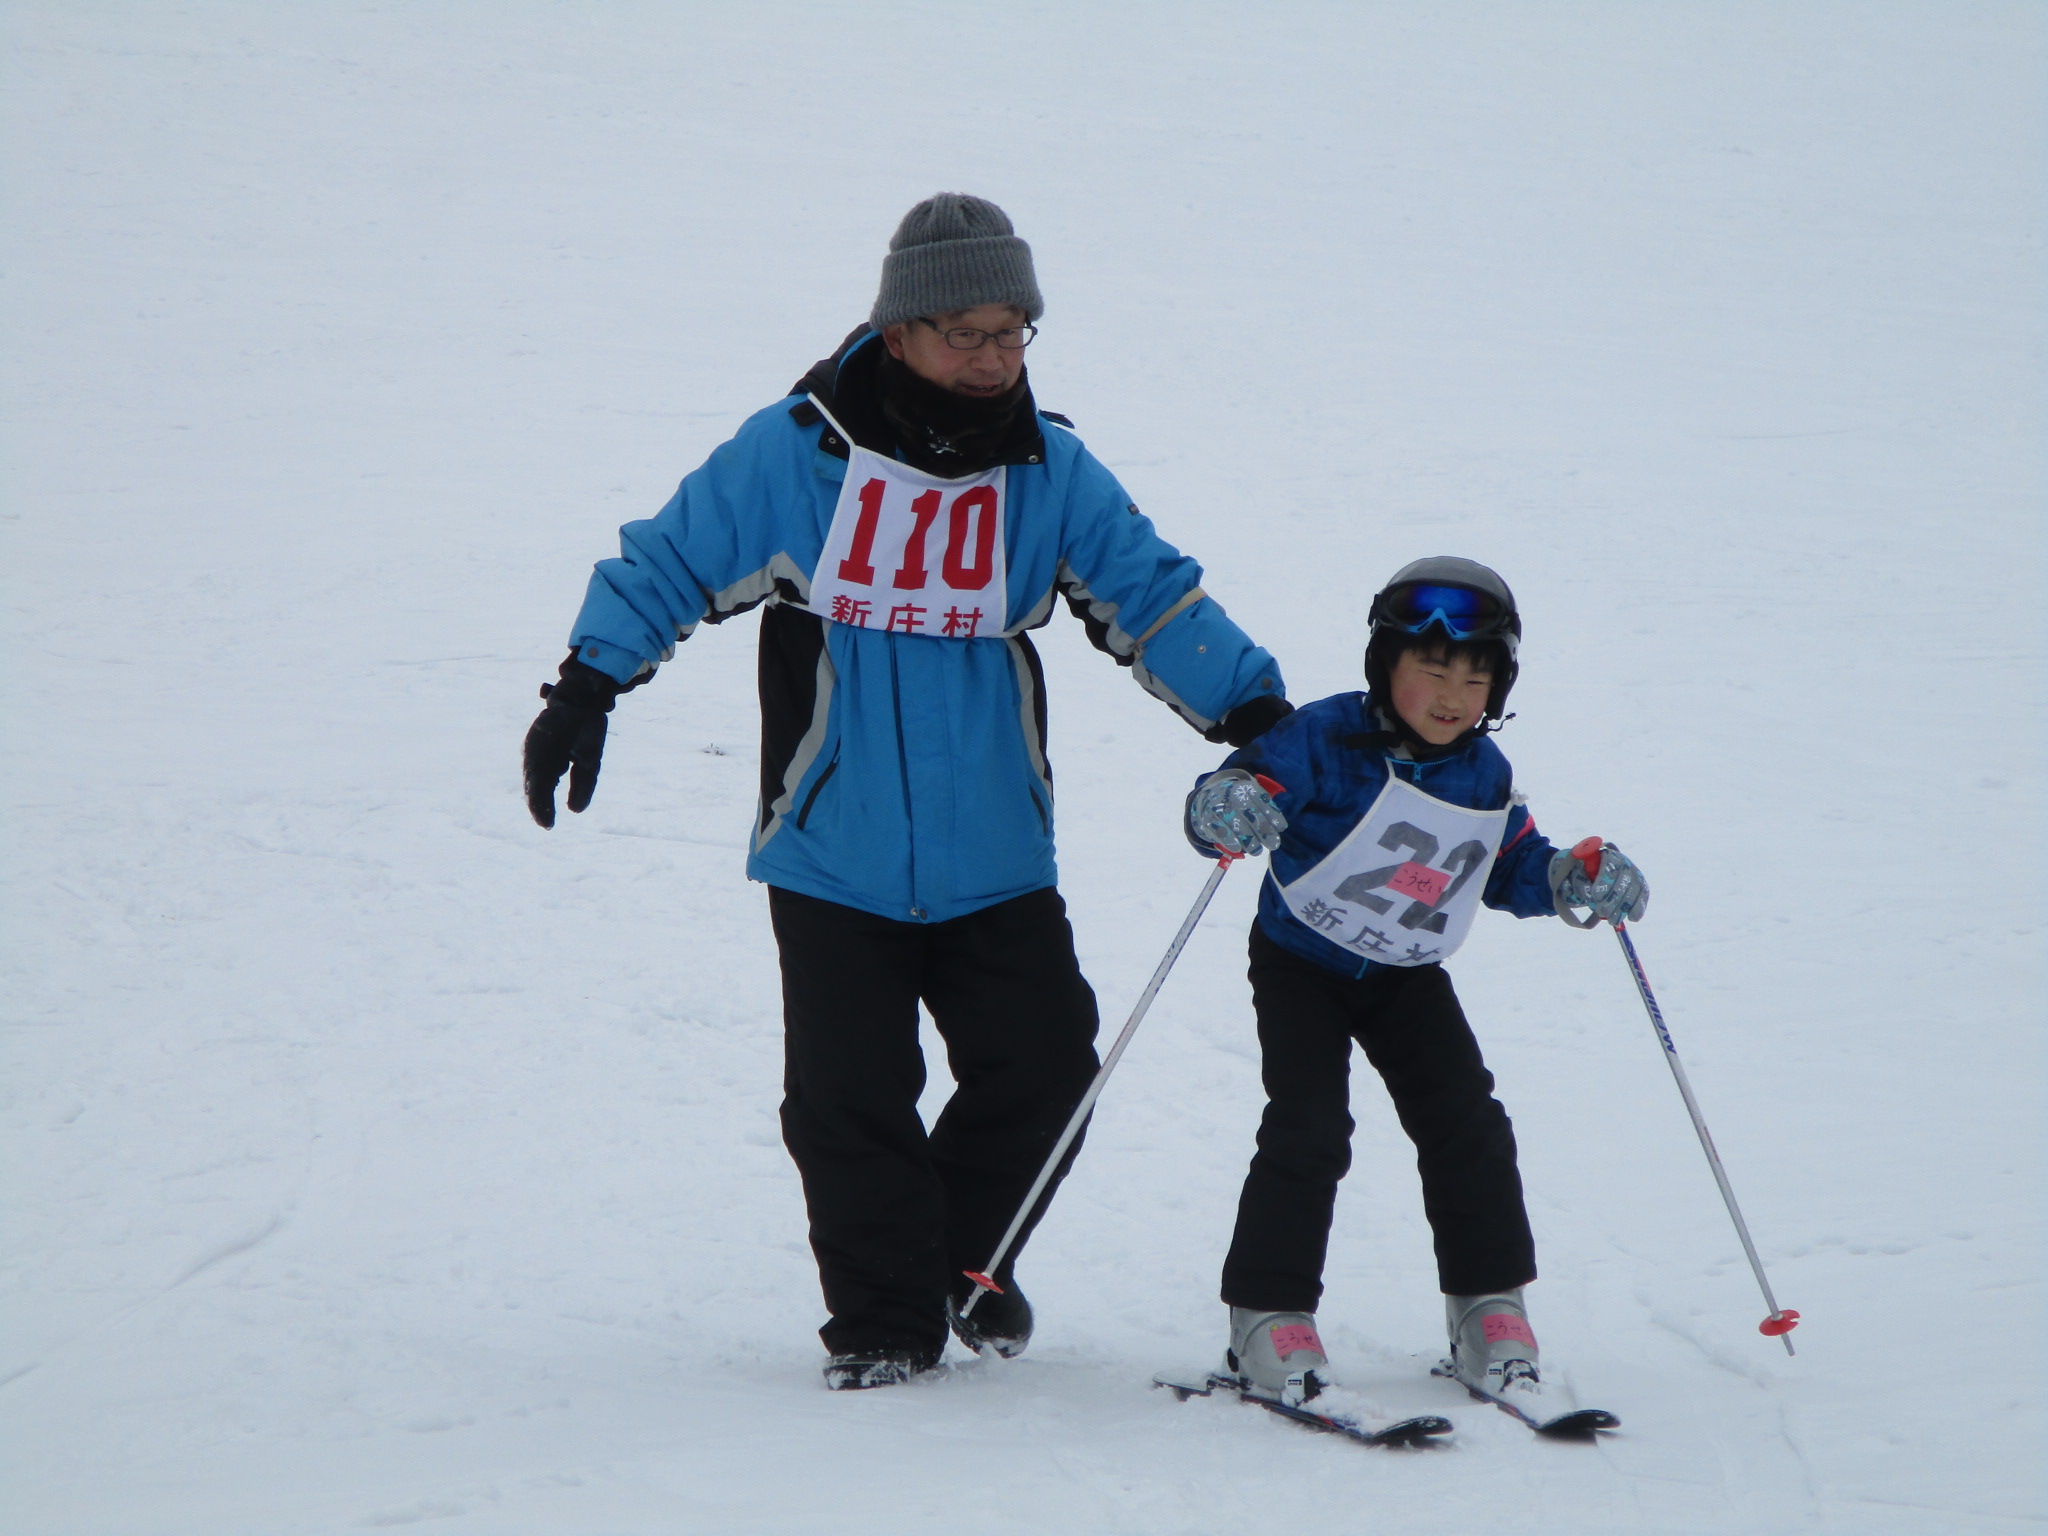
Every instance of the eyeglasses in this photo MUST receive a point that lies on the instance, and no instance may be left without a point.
(1463, 613)
(965, 338)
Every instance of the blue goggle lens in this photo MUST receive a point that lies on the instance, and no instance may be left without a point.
(1462, 612)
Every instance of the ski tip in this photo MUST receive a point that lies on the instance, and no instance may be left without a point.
(1421, 1429)
(1416, 1431)
(1579, 1424)
(1582, 1425)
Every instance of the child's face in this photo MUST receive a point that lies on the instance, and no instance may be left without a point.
(1441, 700)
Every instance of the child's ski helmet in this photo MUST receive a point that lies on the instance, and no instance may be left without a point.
(1466, 601)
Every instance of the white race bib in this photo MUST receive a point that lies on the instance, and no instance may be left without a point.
(912, 553)
(1402, 888)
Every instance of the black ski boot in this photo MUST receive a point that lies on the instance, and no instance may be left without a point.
(877, 1368)
(1000, 1321)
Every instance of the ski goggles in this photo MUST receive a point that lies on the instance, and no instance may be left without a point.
(1464, 613)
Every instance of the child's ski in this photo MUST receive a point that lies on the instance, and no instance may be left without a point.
(1572, 1424)
(1415, 1431)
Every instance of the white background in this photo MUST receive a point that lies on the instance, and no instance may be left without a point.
(373, 1158)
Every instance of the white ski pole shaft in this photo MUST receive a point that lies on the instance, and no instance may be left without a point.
(1781, 1322)
(983, 1281)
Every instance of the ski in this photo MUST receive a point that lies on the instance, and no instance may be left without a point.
(1573, 1424)
(1419, 1430)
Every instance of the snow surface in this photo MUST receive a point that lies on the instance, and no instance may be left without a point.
(375, 1159)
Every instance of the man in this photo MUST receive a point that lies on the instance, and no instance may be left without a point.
(907, 516)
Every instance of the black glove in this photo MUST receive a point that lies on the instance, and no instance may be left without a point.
(1249, 721)
(568, 737)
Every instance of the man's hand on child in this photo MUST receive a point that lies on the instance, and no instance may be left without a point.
(1616, 891)
(1232, 812)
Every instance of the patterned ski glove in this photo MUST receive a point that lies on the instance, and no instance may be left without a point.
(1229, 810)
(568, 737)
(1617, 893)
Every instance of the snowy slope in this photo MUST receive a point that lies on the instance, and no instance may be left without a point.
(374, 1158)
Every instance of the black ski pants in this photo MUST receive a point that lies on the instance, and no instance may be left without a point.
(1415, 1035)
(896, 1214)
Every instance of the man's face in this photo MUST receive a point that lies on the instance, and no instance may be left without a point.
(987, 371)
(1440, 699)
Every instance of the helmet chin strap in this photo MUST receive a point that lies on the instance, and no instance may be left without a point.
(1419, 750)
(1379, 683)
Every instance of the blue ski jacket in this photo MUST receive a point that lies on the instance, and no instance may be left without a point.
(1331, 759)
(906, 774)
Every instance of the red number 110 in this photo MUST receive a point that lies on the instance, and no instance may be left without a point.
(977, 505)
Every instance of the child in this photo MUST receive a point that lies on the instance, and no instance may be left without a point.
(1394, 817)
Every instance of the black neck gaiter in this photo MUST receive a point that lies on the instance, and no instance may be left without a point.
(944, 433)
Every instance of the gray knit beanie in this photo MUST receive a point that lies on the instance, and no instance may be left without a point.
(953, 252)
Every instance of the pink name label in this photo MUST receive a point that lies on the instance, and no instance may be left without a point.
(1419, 881)
(1294, 1336)
(1505, 1325)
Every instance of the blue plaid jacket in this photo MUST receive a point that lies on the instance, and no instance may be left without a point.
(1332, 759)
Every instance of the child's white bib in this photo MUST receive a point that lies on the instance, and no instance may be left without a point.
(912, 553)
(1403, 886)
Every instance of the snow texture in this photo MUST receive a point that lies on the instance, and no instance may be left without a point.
(374, 1159)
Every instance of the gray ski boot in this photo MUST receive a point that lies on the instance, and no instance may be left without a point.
(1493, 1356)
(1493, 1351)
(1277, 1355)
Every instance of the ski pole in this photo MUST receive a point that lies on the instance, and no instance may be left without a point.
(983, 1283)
(1782, 1321)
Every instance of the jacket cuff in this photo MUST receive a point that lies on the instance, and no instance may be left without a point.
(1249, 721)
(582, 687)
(622, 666)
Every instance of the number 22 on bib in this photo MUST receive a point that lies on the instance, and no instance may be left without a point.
(1403, 886)
(912, 553)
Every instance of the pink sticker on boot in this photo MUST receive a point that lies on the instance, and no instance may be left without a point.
(1292, 1337)
(1506, 1325)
